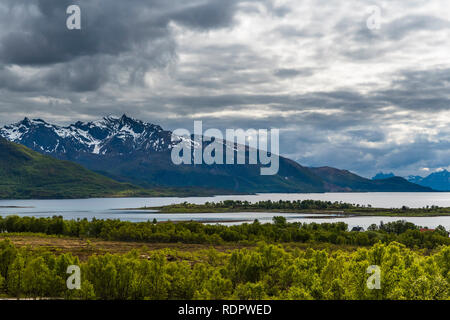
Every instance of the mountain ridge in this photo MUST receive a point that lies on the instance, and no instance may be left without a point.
(130, 150)
(439, 180)
(345, 180)
(382, 175)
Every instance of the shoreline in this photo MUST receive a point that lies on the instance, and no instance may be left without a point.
(316, 213)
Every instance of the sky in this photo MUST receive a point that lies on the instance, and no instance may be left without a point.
(357, 85)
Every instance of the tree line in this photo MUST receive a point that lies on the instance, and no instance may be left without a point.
(299, 205)
(281, 204)
(248, 233)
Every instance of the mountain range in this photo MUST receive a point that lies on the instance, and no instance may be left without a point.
(26, 174)
(346, 181)
(139, 153)
(439, 181)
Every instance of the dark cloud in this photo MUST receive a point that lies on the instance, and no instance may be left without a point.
(424, 90)
(292, 73)
(131, 35)
(241, 64)
(108, 27)
(207, 14)
(368, 135)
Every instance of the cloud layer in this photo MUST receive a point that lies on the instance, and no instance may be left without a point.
(343, 95)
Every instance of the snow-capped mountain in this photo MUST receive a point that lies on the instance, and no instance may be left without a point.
(131, 150)
(110, 135)
(439, 180)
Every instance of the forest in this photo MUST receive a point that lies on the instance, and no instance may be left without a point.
(311, 206)
(266, 272)
(248, 233)
(262, 261)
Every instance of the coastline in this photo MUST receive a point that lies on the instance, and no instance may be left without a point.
(361, 212)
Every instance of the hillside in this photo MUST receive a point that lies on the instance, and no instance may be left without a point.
(158, 171)
(344, 180)
(28, 174)
(439, 180)
(382, 175)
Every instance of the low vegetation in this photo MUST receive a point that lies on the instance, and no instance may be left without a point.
(150, 260)
(305, 206)
(264, 272)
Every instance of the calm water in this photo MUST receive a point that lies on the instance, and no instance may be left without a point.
(110, 208)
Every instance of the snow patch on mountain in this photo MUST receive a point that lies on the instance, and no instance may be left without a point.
(111, 134)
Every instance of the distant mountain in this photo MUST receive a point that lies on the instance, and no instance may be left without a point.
(344, 180)
(438, 180)
(414, 179)
(129, 150)
(27, 174)
(381, 175)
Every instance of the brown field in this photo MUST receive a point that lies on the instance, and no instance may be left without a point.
(83, 248)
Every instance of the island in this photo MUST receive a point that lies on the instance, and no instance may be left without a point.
(299, 206)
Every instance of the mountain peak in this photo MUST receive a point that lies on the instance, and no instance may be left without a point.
(110, 118)
(123, 119)
(110, 135)
(439, 180)
(28, 122)
(382, 175)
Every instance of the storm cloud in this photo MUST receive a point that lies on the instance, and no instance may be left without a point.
(342, 94)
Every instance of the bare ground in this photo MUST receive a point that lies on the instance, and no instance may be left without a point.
(83, 248)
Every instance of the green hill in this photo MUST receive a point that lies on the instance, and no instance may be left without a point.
(28, 174)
